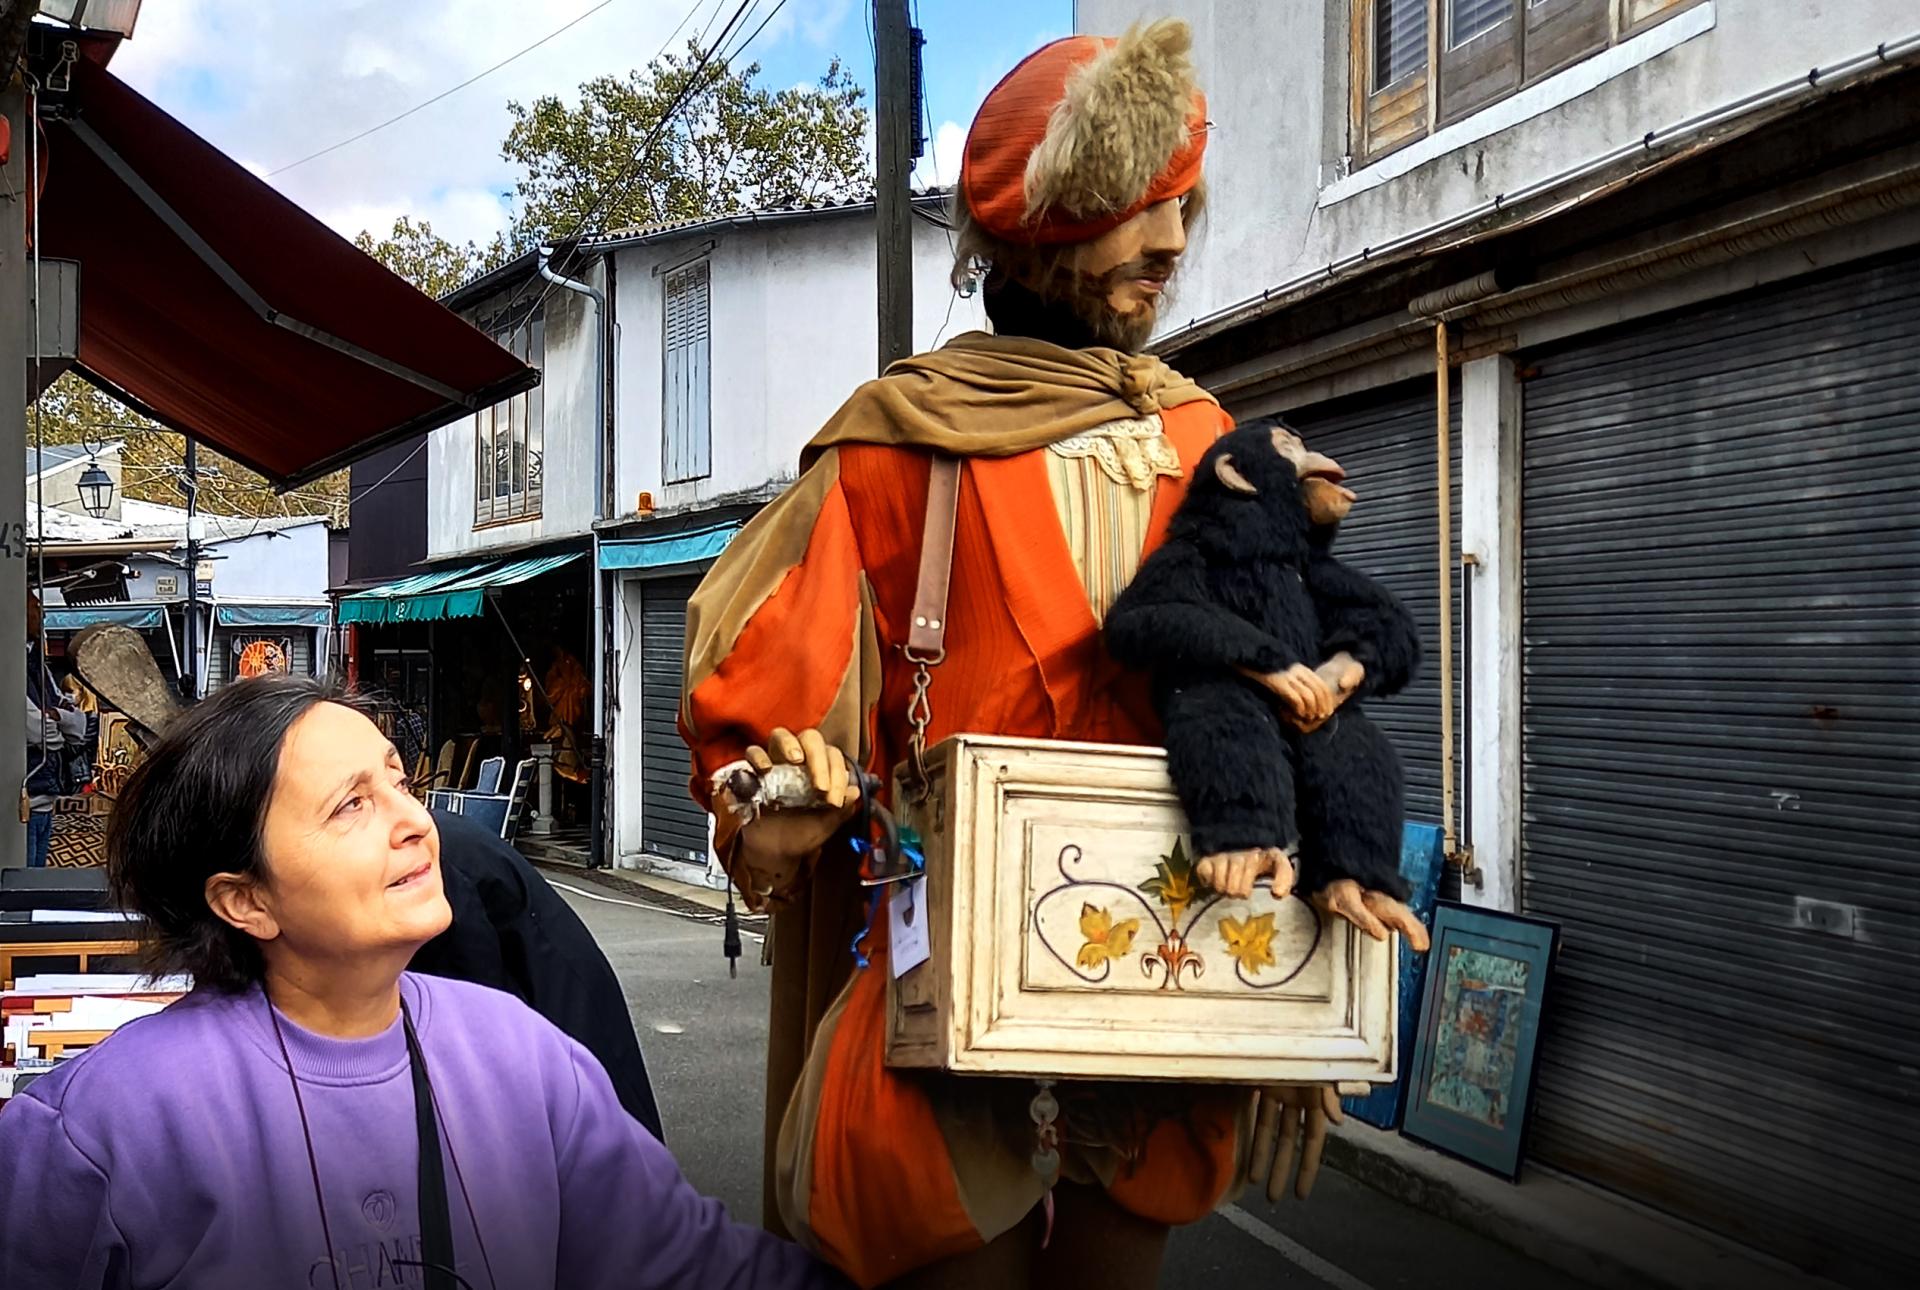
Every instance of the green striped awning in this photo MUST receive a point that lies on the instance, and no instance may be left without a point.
(444, 593)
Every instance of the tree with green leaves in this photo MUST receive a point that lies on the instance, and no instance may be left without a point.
(427, 260)
(726, 145)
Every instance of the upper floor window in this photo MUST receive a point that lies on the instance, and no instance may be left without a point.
(686, 381)
(1418, 65)
(509, 437)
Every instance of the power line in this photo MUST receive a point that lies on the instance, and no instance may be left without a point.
(477, 76)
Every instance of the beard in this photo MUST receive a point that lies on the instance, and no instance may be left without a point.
(1090, 299)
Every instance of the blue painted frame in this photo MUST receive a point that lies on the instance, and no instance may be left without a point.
(1531, 941)
(1422, 860)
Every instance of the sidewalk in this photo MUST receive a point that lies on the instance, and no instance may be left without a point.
(1588, 1233)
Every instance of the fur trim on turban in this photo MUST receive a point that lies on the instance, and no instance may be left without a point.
(1084, 134)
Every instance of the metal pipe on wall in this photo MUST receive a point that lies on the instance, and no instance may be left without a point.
(1443, 448)
(597, 745)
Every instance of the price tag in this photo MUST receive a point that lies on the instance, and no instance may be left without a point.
(908, 944)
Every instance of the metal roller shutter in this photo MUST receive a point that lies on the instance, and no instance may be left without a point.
(671, 824)
(1386, 443)
(1721, 723)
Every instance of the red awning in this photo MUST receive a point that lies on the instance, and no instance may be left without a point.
(216, 306)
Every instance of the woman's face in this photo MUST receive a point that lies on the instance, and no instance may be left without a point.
(352, 859)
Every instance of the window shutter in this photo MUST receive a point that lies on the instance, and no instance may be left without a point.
(1480, 57)
(1562, 32)
(1389, 74)
(687, 437)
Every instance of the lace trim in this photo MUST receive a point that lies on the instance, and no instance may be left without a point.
(1134, 452)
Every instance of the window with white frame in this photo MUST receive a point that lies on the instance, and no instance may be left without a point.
(1418, 65)
(509, 438)
(686, 376)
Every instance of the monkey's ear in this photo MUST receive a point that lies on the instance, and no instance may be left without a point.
(1229, 475)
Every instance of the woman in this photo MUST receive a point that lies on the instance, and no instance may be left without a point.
(312, 1115)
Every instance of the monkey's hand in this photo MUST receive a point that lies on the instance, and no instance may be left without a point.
(1303, 693)
(1373, 912)
(1289, 1114)
(1234, 873)
(1343, 674)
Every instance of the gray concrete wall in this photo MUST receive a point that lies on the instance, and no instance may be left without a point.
(568, 433)
(794, 330)
(1276, 75)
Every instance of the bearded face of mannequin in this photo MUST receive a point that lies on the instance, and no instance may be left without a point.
(1120, 277)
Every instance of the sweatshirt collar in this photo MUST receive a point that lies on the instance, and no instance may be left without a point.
(323, 1059)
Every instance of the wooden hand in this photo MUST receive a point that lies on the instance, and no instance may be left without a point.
(777, 844)
(1234, 873)
(1290, 1114)
(1373, 912)
(1305, 697)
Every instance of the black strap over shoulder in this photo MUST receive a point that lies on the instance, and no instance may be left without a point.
(436, 1221)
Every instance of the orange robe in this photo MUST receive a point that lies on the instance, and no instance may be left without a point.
(884, 1171)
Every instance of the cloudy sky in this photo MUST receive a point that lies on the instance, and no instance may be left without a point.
(271, 83)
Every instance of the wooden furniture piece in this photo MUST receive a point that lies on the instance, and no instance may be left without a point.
(1069, 938)
(82, 950)
(54, 1043)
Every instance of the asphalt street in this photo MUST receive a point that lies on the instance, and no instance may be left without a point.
(704, 1038)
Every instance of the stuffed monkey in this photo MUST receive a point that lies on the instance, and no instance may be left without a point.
(1224, 597)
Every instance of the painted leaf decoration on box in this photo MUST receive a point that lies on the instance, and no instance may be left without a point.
(1172, 881)
(1249, 941)
(1106, 939)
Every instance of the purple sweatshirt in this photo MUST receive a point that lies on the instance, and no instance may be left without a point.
(171, 1155)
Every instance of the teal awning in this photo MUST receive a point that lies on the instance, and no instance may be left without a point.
(139, 617)
(444, 593)
(229, 615)
(692, 546)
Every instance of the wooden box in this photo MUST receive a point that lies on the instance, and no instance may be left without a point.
(1069, 938)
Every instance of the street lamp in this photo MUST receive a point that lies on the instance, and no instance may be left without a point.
(96, 490)
(117, 16)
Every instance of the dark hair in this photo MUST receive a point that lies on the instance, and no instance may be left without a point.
(195, 807)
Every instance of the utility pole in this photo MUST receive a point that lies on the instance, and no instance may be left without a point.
(15, 326)
(190, 484)
(893, 139)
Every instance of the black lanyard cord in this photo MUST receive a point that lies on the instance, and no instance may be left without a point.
(436, 1222)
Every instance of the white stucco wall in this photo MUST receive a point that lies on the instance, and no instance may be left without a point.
(794, 331)
(567, 377)
(1275, 74)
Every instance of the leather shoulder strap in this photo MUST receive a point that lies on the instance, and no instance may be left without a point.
(927, 637)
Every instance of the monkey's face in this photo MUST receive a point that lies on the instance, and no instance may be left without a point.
(1318, 477)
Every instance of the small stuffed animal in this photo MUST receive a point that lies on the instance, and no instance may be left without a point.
(1224, 596)
(1246, 584)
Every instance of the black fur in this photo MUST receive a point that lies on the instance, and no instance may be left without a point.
(1352, 786)
(1226, 589)
(1245, 580)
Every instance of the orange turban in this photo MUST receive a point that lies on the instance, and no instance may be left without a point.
(1084, 134)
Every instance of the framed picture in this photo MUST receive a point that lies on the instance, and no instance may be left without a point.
(1422, 859)
(1471, 1083)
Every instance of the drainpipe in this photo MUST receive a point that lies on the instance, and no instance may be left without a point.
(597, 759)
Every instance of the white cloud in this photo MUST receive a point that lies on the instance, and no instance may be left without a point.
(271, 83)
(941, 166)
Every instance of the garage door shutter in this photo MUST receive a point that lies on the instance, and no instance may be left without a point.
(670, 823)
(1721, 726)
(1386, 443)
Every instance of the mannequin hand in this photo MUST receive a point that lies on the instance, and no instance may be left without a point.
(1234, 873)
(1343, 674)
(1290, 1113)
(1373, 912)
(777, 844)
(1304, 694)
